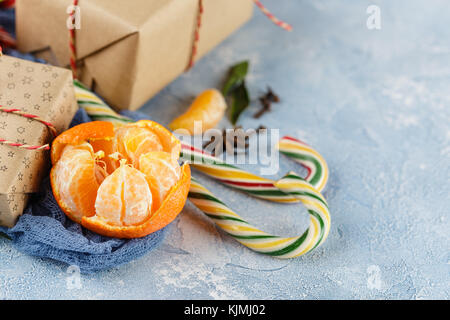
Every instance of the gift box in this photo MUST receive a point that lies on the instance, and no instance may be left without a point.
(127, 51)
(34, 98)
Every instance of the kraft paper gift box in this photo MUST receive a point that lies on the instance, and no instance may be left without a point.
(40, 90)
(129, 49)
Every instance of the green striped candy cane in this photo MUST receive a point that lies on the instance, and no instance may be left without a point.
(258, 240)
(95, 107)
(257, 186)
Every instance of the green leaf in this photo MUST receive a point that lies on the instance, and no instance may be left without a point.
(235, 87)
(240, 101)
(236, 77)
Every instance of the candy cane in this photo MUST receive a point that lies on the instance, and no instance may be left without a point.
(257, 186)
(258, 240)
(309, 158)
(291, 188)
(95, 107)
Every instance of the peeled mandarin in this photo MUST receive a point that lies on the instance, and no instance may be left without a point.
(132, 141)
(75, 180)
(124, 198)
(105, 191)
(208, 108)
(162, 172)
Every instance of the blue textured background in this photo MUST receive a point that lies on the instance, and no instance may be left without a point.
(375, 103)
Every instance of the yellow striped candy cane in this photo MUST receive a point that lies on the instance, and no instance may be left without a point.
(258, 240)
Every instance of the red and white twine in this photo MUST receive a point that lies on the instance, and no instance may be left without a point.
(72, 44)
(28, 116)
(278, 22)
(196, 35)
(7, 4)
(194, 49)
(6, 39)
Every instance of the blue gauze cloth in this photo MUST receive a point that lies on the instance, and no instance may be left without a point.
(45, 231)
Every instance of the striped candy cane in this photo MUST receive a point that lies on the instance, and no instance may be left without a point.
(291, 188)
(254, 185)
(309, 158)
(260, 241)
(95, 107)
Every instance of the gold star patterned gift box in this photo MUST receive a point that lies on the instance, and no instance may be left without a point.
(34, 89)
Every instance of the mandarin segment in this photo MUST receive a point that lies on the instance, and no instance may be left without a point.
(169, 142)
(137, 198)
(74, 181)
(208, 108)
(162, 173)
(124, 197)
(167, 212)
(133, 141)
